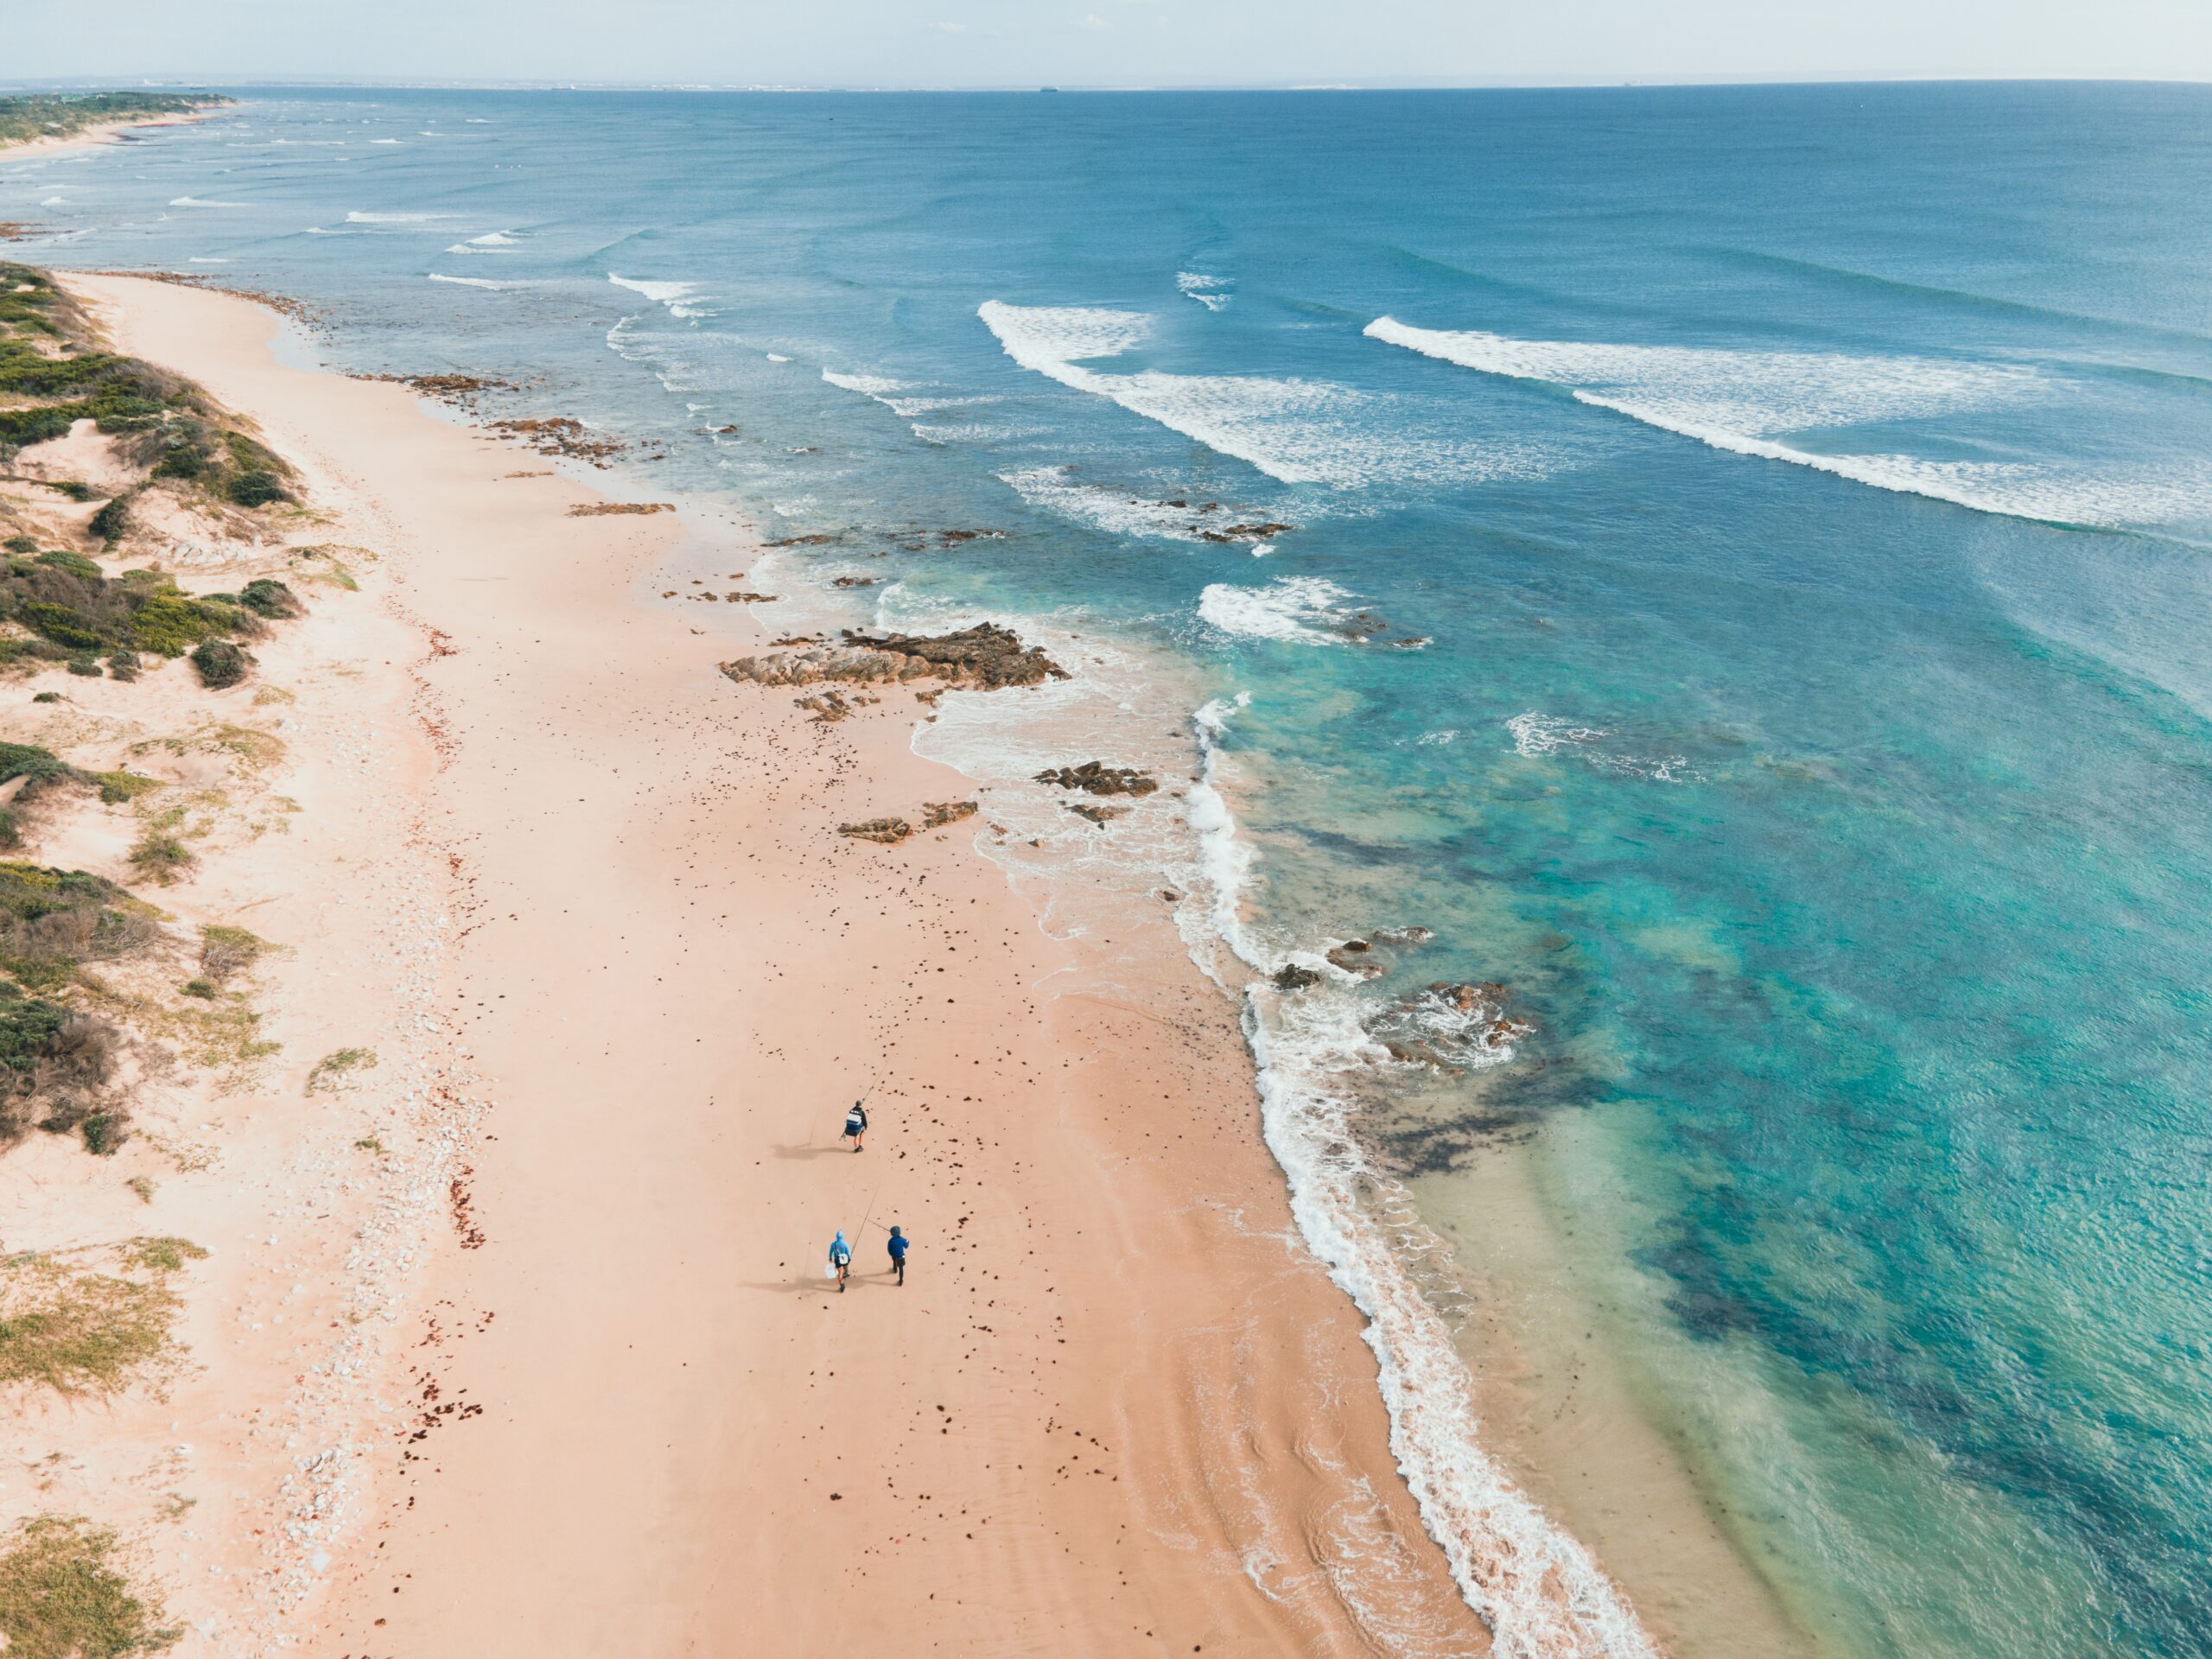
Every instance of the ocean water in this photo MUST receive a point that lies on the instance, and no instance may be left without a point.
(1735, 565)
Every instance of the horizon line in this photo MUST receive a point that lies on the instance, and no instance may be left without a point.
(51, 86)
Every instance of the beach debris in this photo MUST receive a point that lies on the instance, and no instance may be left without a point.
(829, 707)
(742, 596)
(985, 657)
(937, 814)
(1096, 778)
(607, 509)
(889, 831)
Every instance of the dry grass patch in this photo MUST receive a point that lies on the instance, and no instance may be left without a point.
(67, 1326)
(62, 1596)
(334, 1072)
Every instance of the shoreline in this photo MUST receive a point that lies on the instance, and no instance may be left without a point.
(99, 133)
(1164, 1312)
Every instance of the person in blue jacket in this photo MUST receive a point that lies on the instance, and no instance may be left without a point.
(897, 1245)
(840, 1257)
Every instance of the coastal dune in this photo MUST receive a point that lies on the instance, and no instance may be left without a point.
(1114, 1409)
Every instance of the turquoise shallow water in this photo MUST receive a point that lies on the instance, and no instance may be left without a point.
(1802, 499)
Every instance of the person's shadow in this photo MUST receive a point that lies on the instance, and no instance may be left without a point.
(813, 1152)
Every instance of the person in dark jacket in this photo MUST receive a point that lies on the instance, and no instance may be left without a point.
(856, 1124)
(897, 1245)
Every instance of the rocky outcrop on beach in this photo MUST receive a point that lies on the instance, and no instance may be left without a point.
(889, 831)
(984, 658)
(563, 435)
(937, 814)
(1096, 778)
(1292, 976)
(1098, 815)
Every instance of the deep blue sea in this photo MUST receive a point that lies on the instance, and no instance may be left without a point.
(1735, 564)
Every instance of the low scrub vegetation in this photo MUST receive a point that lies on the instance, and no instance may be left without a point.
(63, 1595)
(53, 374)
(90, 1321)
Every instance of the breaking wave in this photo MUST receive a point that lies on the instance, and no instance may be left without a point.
(1209, 291)
(674, 294)
(1289, 608)
(1739, 401)
(396, 219)
(1295, 431)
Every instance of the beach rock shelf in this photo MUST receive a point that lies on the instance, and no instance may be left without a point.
(985, 657)
(889, 831)
(1096, 778)
(937, 814)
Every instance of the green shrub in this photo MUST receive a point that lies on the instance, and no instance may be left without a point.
(220, 664)
(206, 989)
(103, 1133)
(29, 760)
(11, 833)
(75, 490)
(112, 520)
(255, 488)
(75, 563)
(117, 787)
(160, 856)
(85, 663)
(265, 596)
(47, 696)
(124, 664)
(41, 973)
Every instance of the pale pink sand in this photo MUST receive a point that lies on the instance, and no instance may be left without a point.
(1116, 1409)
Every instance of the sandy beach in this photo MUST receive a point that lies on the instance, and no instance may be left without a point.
(564, 1374)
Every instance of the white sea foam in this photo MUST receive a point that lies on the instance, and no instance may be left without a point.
(1206, 290)
(491, 242)
(63, 201)
(205, 259)
(194, 202)
(777, 357)
(387, 141)
(396, 219)
(1541, 1593)
(473, 282)
(1119, 512)
(1296, 431)
(1537, 736)
(1287, 609)
(1741, 401)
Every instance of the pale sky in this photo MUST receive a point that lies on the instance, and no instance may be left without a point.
(1104, 42)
